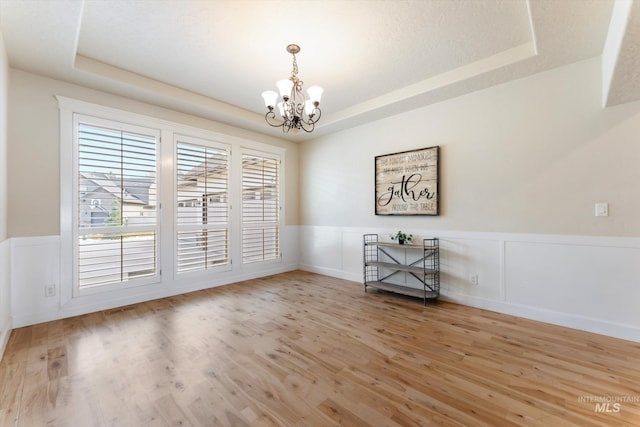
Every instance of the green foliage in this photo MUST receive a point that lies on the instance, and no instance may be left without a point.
(115, 214)
(402, 237)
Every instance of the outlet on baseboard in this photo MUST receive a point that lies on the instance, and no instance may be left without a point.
(473, 279)
(50, 291)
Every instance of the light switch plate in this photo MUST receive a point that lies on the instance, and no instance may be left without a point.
(602, 209)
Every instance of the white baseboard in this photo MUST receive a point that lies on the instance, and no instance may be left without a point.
(76, 309)
(572, 321)
(581, 282)
(331, 272)
(5, 332)
(30, 305)
(568, 291)
(553, 317)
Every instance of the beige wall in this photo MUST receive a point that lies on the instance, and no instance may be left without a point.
(529, 156)
(4, 76)
(33, 187)
(5, 252)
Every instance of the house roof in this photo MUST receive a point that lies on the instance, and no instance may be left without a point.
(134, 191)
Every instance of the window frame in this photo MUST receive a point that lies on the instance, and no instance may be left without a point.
(280, 221)
(209, 143)
(89, 120)
(169, 282)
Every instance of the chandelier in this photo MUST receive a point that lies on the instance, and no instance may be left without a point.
(296, 112)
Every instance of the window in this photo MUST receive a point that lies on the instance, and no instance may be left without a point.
(115, 198)
(260, 208)
(202, 212)
(146, 206)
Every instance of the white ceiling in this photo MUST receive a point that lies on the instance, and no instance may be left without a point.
(374, 58)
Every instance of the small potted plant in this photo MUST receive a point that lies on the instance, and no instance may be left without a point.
(402, 238)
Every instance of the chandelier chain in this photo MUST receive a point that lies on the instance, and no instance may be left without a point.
(294, 72)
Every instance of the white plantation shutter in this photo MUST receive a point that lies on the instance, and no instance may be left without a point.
(117, 224)
(115, 233)
(260, 208)
(202, 211)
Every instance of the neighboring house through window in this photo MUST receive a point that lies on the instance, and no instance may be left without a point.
(202, 209)
(260, 207)
(117, 227)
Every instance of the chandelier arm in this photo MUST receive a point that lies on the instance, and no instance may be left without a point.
(271, 115)
(307, 126)
(315, 115)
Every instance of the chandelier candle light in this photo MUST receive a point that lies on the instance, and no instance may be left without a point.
(296, 112)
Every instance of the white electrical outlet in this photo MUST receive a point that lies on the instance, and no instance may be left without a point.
(474, 279)
(50, 291)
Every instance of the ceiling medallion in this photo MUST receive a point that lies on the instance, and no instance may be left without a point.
(296, 111)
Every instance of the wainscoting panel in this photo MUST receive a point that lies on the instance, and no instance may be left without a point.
(352, 255)
(587, 283)
(601, 282)
(321, 250)
(5, 294)
(460, 259)
(36, 264)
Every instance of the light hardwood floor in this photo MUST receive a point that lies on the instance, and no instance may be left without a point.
(300, 349)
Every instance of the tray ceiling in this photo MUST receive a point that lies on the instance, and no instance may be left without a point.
(373, 58)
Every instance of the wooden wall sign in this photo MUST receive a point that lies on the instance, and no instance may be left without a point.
(407, 183)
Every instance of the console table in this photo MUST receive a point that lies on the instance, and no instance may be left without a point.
(382, 261)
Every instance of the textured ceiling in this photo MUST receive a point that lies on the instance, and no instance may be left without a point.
(373, 58)
(625, 81)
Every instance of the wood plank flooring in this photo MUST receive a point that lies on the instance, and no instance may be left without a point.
(301, 349)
